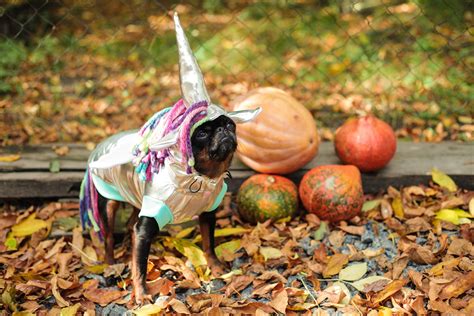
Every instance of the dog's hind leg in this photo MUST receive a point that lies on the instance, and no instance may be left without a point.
(110, 211)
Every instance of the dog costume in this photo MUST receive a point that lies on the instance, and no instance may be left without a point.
(153, 168)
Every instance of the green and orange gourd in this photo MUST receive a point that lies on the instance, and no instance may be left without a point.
(262, 197)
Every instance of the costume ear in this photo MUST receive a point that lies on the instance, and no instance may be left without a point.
(193, 88)
(244, 116)
(164, 142)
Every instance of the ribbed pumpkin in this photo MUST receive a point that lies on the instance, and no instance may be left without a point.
(366, 142)
(332, 192)
(262, 197)
(282, 139)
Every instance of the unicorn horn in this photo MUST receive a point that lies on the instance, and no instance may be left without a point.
(193, 88)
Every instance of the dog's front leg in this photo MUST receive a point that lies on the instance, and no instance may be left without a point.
(144, 231)
(207, 225)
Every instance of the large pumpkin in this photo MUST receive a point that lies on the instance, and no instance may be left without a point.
(366, 142)
(282, 139)
(262, 197)
(332, 192)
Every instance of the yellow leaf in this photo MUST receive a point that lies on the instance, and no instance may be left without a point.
(96, 269)
(385, 311)
(353, 272)
(150, 309)
(194, 254)
(231, 274)
(29, 226)
(230, 247)
(455, 216)
(397, 206)
(443, 180)
(270, 253)
(185, 232)
(335, 264)
(23, 313)
(71, 310)
(9, 158)
(471, 206)
(225, 232)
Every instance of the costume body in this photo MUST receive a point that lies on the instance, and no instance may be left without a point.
(172, 195)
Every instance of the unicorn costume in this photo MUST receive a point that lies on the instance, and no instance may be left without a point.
(153, 168)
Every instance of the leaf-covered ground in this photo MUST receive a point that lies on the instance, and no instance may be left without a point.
(80, 71)
(410, 252)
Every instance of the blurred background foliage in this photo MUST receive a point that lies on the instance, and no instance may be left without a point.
(81, 70)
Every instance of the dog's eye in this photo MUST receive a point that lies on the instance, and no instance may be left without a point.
(201, 134)
(230, 127)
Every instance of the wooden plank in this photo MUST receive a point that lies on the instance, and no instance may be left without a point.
(29, 177)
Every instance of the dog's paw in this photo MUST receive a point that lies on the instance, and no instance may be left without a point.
(142, 298)
(217, 267)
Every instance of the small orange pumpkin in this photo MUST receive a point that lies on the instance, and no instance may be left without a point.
(282, 139)
(333, 192)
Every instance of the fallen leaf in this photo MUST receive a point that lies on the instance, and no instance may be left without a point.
(227, 249)
(270, 253)
(454, 216)
(54, 288)
(184, 232)
(224, 232)
(321, 232)
(179, 307)
(238, 284)
(362, 284)
(460, 247)
(194, 254)
(280, 301)
(353, 230)
(61, 150)
(29, 226)
(443, 180)
(471, 206)
(458, 286)
(388, 291)
(54, 166)
(418, 306)
(397, 207)
(103, 296)
(251, 243)
(335, 264)
(71, 310)
(353, 272)
(370, 205)
(9, 158)
(422, 255)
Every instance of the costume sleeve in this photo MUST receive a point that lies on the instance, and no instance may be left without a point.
(157, 209)
(219, 198)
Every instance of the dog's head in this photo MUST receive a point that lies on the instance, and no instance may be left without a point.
(214, 144)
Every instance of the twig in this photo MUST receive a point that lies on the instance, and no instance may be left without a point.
(82, 252)
(309, 291)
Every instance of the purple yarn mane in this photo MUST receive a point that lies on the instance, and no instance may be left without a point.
(150, 161)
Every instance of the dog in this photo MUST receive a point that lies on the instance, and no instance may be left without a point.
(170, 171)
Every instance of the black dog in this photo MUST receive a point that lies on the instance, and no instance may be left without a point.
(213, 144)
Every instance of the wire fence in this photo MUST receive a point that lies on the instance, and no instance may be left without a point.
(81, 70)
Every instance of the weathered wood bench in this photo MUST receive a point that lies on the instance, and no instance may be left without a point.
(30, 176)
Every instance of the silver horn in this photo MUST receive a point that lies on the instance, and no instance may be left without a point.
(192, 83)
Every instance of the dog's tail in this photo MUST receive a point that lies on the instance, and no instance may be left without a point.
(89, 205)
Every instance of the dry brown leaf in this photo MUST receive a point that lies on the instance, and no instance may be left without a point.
(250, 243)
(354, 230)
(336, 238)
(422, 255)
(417, 224)
(335, 264)
(458, 286)
(418, 306)
(442, 307)
(279, 300)
(417, 279)
(179, 307)
(388, 291)
(238, 284)
(54, 288)
(460, 247)
(398, 266)
(103, 296)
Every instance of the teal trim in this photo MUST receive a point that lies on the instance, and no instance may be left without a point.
(156, 209)
(220, 197)
(107, 190)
